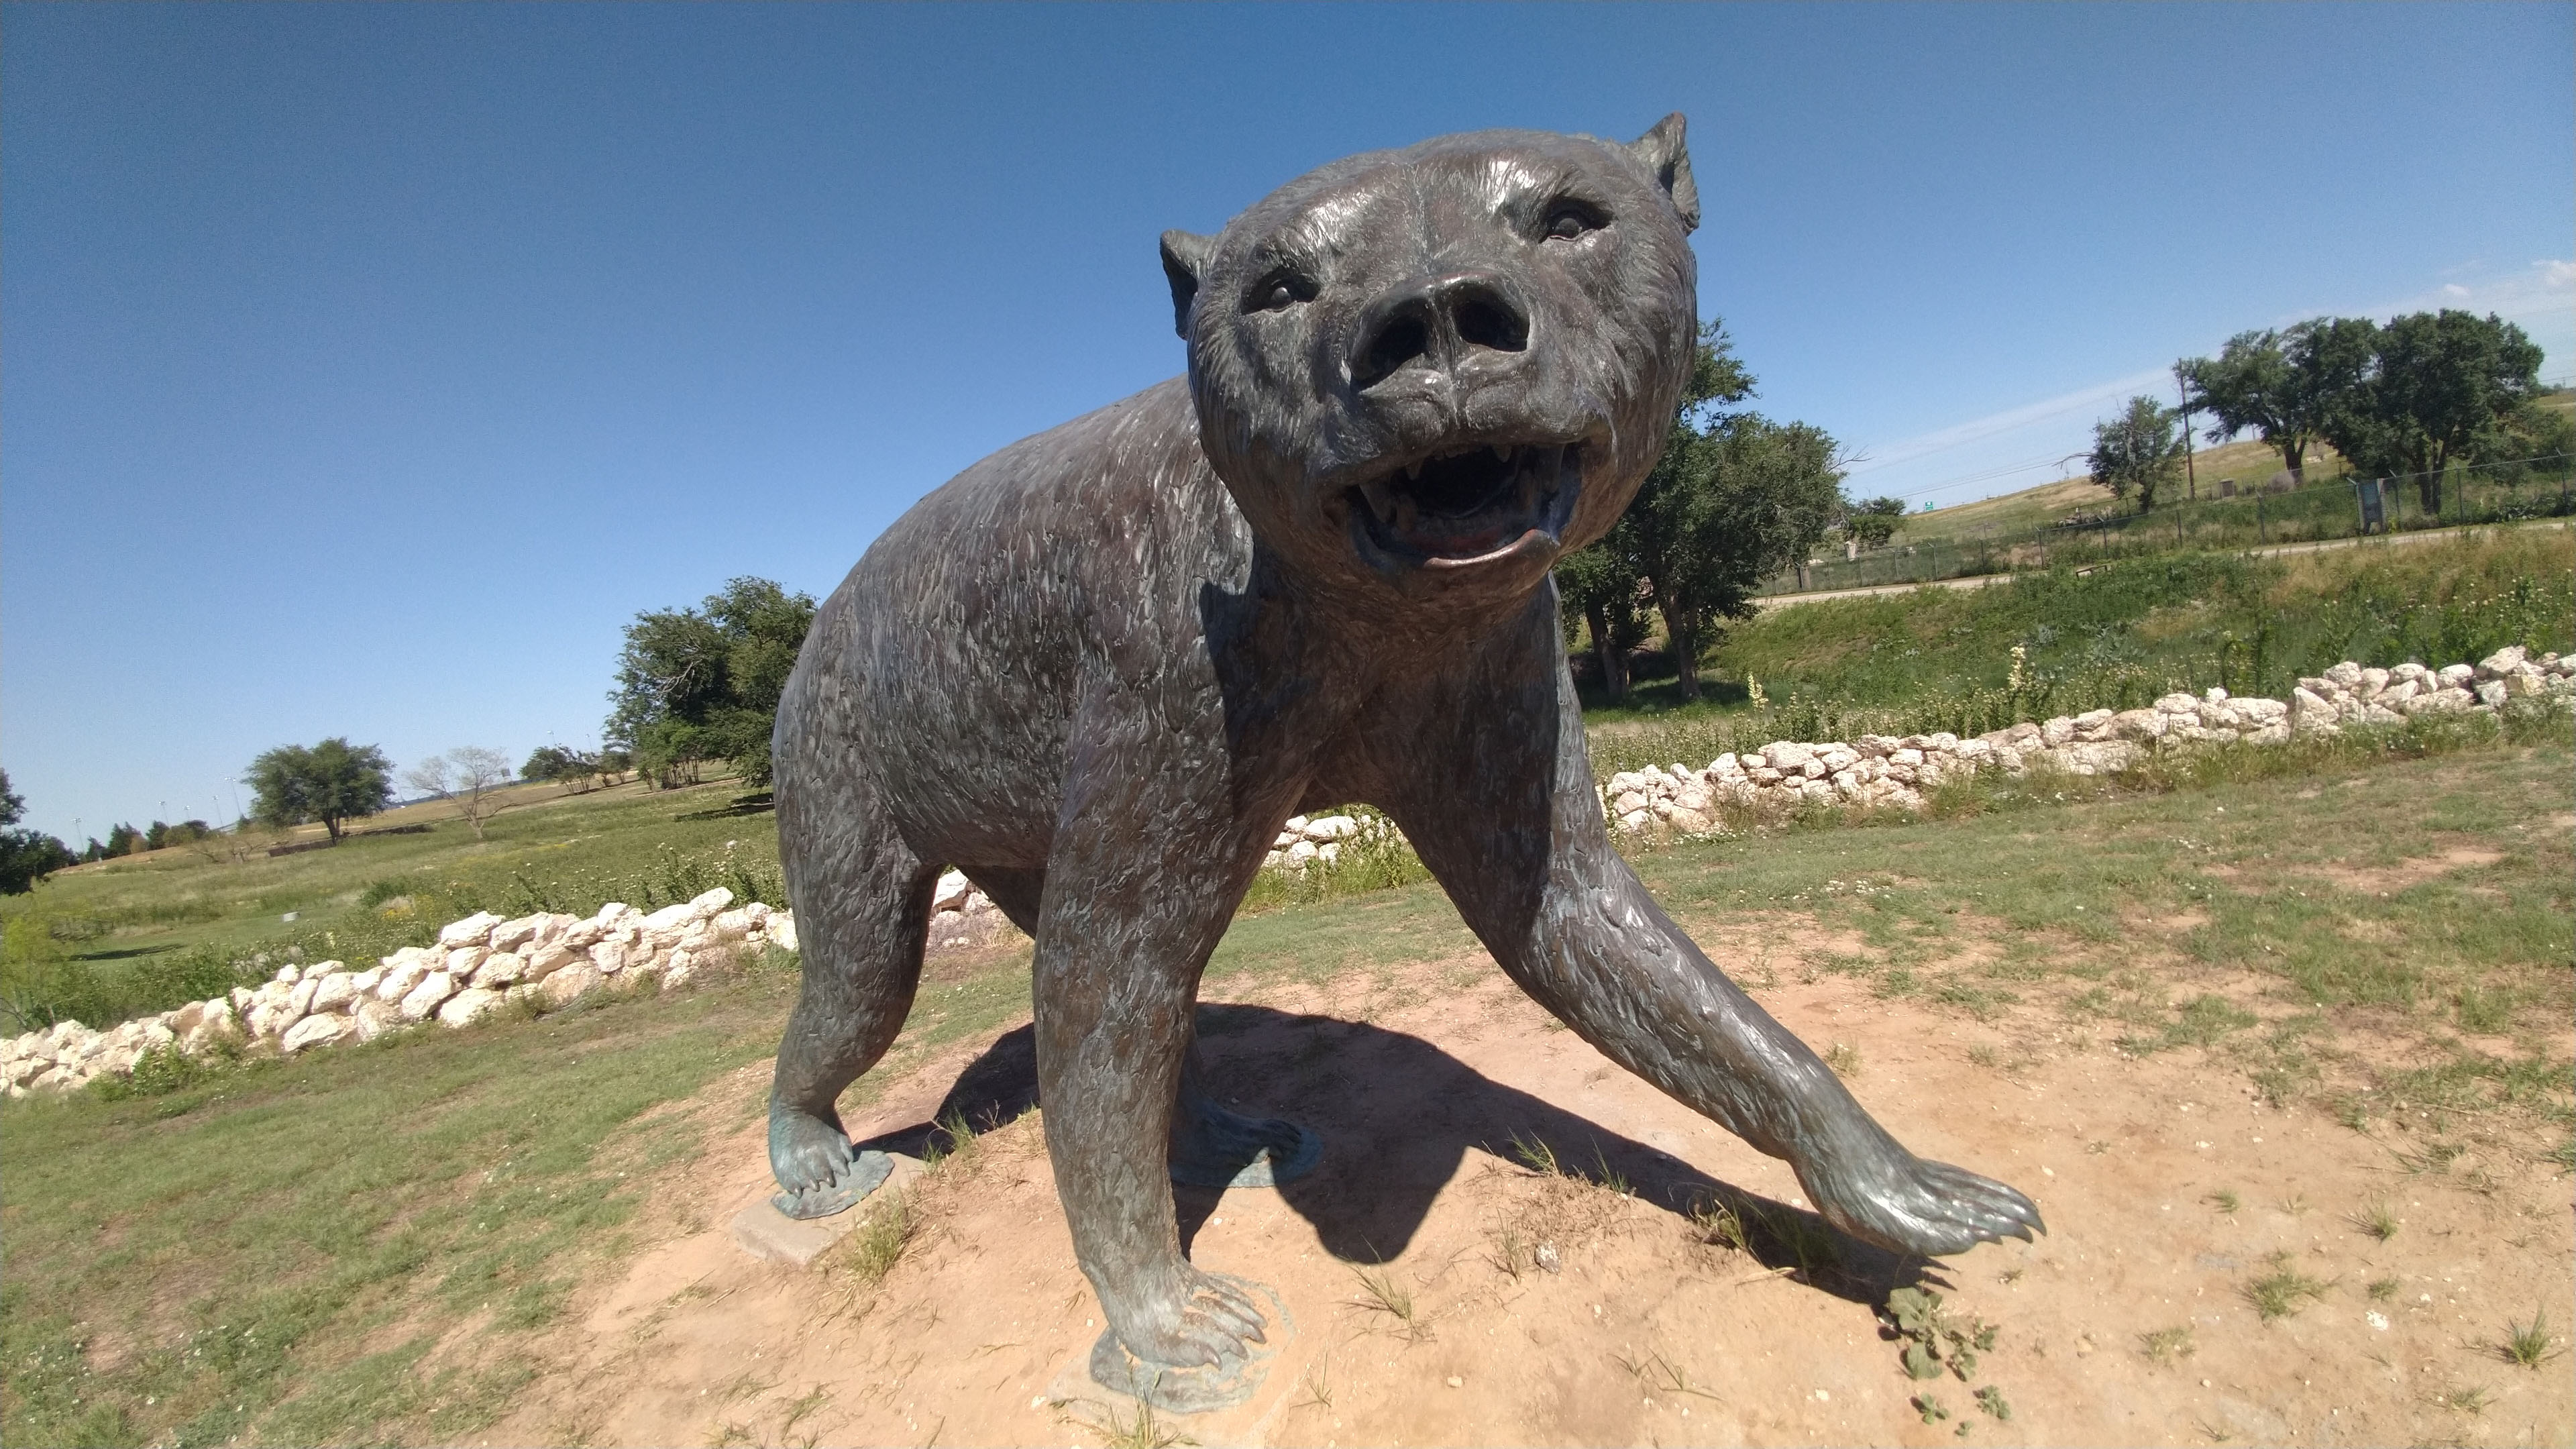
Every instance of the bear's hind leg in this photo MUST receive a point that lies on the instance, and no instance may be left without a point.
(862, 901)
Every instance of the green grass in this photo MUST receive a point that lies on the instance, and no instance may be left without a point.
(124, 937)
(270, 1251)
(2114, 637)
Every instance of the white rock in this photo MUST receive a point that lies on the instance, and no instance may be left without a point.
(501, 968)
(2504, 661)
(732, 925)
(2346, 675)
(2373, 680)
(372, 1019)
(950, 894)
(781, 930)
(334, 993)
(609, 957)
(706, 905)
(399, 980)
(465, 1006)
(1331, 827)
(472, 931)
(423, 999)
(511, 935)
(670, 919)
(2492, 693)
(758, 911)
(548, 960)
(1302, 852)
(462, 962)
(562, 986)
(317, 1030)
(2456, 676)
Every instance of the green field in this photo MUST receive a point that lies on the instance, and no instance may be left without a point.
(274, 1252)
(2114, 636)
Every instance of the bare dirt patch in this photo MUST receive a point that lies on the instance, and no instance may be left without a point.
(2414, 870)
(1442, 1290)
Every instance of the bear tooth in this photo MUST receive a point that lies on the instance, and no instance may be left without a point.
(1407, 513)
(1380, 501)
(1502, 452)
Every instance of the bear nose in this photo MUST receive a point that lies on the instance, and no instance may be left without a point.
(1441, 321)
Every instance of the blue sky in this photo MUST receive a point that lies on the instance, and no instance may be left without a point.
(364, 369)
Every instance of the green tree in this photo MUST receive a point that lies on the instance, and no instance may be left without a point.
(1734, 499)
(2137, 452)
(2258, 382)
(2439, 387)
(1599, 592)
(26, 856)
(703, 683)
(1873, 523)
(332, 782)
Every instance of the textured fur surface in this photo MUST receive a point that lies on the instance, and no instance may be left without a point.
(1097, 670)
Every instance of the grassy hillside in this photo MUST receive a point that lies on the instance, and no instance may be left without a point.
(2115, 636)
(143, 933)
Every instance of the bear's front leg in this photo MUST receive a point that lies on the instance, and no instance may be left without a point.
(1142, 878)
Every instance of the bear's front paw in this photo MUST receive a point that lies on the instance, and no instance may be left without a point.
(818, 1173)
(1912, 1205)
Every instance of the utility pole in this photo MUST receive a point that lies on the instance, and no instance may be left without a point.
(2182, 393)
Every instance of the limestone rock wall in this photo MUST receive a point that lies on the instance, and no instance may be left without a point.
(477, 964)
(1893, 773)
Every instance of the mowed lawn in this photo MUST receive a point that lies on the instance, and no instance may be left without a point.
(380, 1243)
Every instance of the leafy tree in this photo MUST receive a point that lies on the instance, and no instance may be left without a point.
(1596, 589)
(2137, 452)
(332, 782)
(1734, 499)
(703, 683)
(186, 832)
(2267, 382)
(26, 856)
(1873, 523)
(2438, 387)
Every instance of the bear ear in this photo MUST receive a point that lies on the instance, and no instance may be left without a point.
(1185, 258)
(1661, 152)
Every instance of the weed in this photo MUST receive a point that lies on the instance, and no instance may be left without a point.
(2432, 1157)
(953, 1137)
(877, 1244)
(2168, 1346)
(1934, 1340)
(1659, 1375)
(801, 1408)
(2467, 1398)
(1991, 1400)
(2382, 1289)
(1514, 1254)
(1142, 1432)
(2284, 1290)
(1610, 1177)
(1929, 1407)
(1319, 1387)
(2528, 1344)
(1719, 1225)
(2379, 1220)
(2225, 1200)
(1534, 1154)
(1985, 1056)
(1380, 1293)
(1844, 1059)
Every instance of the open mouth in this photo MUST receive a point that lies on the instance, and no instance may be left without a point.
(1462, 506)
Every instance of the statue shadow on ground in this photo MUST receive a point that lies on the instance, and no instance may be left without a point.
(1398, 1116)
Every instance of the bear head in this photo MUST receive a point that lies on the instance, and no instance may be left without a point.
(1425, 374)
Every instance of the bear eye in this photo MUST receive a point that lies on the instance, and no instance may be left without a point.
(1279, 291)
(1570, 219)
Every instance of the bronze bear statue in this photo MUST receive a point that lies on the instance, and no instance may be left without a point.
(1098, 670)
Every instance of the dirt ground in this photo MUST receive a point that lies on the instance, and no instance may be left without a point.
(1589, 1306)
